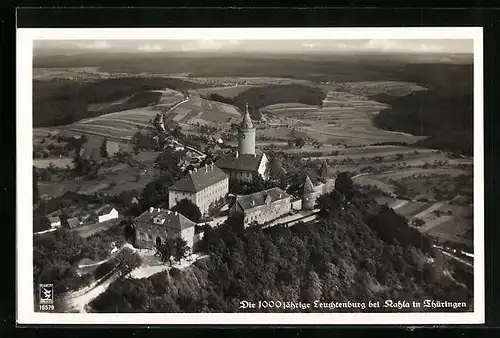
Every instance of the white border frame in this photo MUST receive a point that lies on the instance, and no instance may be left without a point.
(25, 299)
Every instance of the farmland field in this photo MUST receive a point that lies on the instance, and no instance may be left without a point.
(344, 118)
(112, 180)
(202, 111)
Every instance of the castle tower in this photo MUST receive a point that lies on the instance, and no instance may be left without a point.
(327, 176)
(246, 135)
(308, 195)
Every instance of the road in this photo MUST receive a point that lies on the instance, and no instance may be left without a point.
(78, 300)
(457, 258)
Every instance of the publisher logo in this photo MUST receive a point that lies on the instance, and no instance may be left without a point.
(46, 293)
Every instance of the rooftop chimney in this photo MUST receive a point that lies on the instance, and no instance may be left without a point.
(168, 212)
(236, 155)
(206, 169)
(158, 209)
(151, 209)
(175, 213)
(253, 202)
(195, 169)
(190, 172)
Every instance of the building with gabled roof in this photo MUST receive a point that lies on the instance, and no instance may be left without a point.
(202, 186)
(54, 221)
(106, 213)
(73, 222)
(155, 225)
(244, 167)
(263, 206)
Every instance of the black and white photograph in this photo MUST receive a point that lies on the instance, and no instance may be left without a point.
(250, 176)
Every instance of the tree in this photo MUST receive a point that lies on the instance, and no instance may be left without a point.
(344, 185)
(127, 260)
(188, 209)
(168, 162)
(312, 289)
(235, 222)
(290, 143)
(166, 250)
(36, 194)
(104, 149)
(300, 142)
(181, 249)
(330, 202)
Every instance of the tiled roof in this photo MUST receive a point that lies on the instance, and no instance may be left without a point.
(72, 222)
(199, 179)
(259, 198)
(167, 218)
(104, 210)
(308, 186)
(244, 162)
(54, 219)
(326, 171)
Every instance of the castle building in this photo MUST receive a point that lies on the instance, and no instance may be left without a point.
(325, 185)
(202, 186)
(245, 164)
(155, 225)
(246, 135)
(263, 206)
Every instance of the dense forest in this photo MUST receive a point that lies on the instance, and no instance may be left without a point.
(444, 112)
(61, 102)
(359, 254)
(57, 254)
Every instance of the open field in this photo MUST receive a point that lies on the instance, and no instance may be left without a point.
(48, 74)
(197, 110)
(368, 88)
(111, 180)
(455, 227)
(247, 81)
(344, 118)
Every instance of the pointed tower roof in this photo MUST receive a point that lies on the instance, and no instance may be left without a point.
(326, 171)
(308, 186)
(247, 120)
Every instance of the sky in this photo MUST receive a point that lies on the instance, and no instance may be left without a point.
(261, 46)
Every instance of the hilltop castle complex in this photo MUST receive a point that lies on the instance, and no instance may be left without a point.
(210, 184)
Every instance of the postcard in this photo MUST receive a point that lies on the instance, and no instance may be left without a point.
(250, 176)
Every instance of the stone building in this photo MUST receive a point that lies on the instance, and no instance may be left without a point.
(245, 164)
(325, 185)
(155, 225)
(263, 206)
(246, 135)
(244, 167)
(201, 186)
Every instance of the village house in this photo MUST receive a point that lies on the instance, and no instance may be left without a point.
(155, 225)
(106, 213)
(54, 221)
(201, 186)
(73, 222)
(263, 206)
(245, 164)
